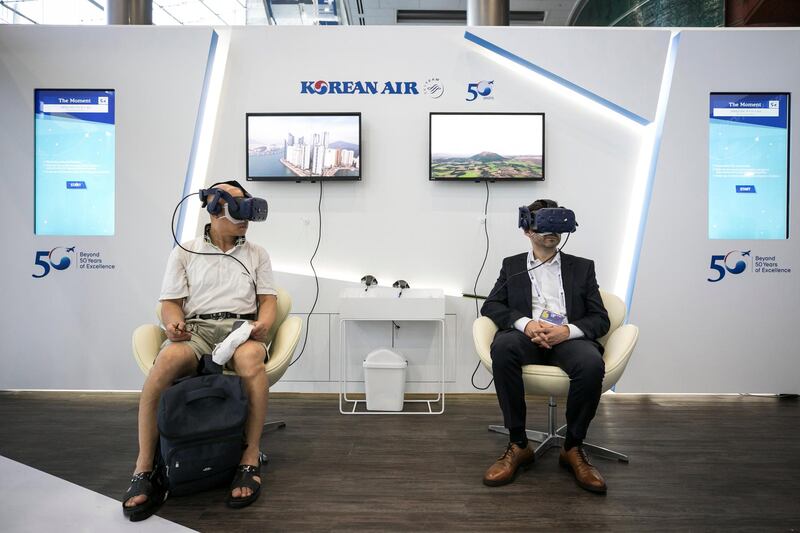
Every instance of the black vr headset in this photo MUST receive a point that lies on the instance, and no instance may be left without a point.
(548, 219)
(247, 208)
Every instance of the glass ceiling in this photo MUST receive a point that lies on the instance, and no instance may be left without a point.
(167, 12)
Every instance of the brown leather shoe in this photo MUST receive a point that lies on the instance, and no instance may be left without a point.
(505, 469)
(585, 473)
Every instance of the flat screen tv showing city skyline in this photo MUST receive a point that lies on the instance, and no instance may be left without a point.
(303, 146)
(487, 146)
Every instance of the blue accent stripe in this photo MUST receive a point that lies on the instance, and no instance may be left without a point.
(198, 126)
(661, 111)
(556, 78)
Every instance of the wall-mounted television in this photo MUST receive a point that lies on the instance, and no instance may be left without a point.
(303, 146)
(487, 146)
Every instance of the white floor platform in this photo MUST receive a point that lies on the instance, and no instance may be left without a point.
(33, 501)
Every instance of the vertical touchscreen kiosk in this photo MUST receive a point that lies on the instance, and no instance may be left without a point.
(748, 175)
(74, 162)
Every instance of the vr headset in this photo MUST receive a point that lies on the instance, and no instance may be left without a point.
(547, 220)
(247, 208)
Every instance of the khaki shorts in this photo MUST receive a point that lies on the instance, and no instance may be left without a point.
(208, 333)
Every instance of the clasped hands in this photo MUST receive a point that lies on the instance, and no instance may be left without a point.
(545, 334)
(177, 331)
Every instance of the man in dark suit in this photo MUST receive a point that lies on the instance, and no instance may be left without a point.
(548, 309)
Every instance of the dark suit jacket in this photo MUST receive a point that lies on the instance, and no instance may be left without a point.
(510, 302)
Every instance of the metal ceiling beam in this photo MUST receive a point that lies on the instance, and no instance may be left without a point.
(487, 12)
(2, 3)
(457, 16)
(126, 12)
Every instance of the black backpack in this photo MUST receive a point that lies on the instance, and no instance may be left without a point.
(201, 420)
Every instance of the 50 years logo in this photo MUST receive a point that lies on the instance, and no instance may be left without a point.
(59, 258)
(62, 258)
(482, 88)
(734, 262)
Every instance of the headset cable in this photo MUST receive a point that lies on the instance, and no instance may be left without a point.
(478, 277)
(316, 279)
(175, 238)
(494, 291)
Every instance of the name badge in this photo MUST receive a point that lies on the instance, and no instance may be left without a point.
(553, 318)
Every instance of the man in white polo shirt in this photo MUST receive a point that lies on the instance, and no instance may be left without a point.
(201, 298)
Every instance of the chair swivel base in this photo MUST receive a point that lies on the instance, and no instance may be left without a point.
(278, 424)
(557, 441)
(554, 438)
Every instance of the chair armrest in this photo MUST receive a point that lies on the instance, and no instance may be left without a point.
(483, 331)
(282, 348)
(618, 350)
(146, 342)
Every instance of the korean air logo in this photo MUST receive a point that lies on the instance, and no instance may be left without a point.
(59, 258)
(734, 262)
(482, 88)
(321, 87)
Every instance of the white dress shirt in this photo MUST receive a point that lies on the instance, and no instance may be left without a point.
(547, 292)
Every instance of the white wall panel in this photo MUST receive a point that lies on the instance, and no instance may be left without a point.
(623, 66)
(313, 365)
(395, 223)
(72, 329)
(734, 335)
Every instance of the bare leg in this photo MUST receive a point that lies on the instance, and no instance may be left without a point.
(248, 361)
(174, 361)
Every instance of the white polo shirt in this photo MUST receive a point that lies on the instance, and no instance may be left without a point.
(214, 283)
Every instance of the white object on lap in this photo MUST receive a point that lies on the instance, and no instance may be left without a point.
(224, 350)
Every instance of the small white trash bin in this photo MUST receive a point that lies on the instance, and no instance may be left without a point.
(385, 380)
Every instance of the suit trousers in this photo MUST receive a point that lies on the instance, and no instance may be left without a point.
(579, 358)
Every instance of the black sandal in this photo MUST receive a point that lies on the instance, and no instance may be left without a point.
(244, 478)
(148, 484)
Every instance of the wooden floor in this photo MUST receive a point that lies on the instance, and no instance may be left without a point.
(699, 463)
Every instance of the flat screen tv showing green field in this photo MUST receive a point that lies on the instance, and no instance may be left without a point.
(487, 146)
